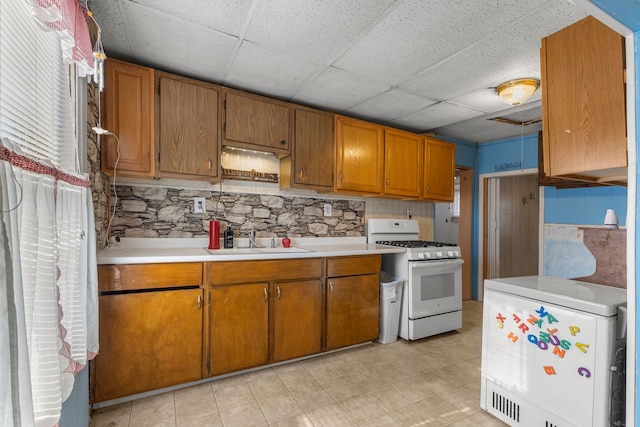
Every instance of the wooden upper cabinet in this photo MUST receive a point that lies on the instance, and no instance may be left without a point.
(128, 112)
(255, 122)
(439, 170)
(583, 102)
(311, 163)
(402, 163)
(359, 156)
(188, 129)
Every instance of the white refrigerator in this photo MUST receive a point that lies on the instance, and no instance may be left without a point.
(553, 352)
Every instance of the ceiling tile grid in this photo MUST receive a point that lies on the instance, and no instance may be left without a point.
(414, 64)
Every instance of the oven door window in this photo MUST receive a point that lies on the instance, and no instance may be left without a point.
(437, 287)
(434, 288)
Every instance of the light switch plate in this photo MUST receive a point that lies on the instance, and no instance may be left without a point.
(327, 209)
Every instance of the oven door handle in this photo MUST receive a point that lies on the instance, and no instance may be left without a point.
(436, 267)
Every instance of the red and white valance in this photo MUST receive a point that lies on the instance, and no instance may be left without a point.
(69, 19)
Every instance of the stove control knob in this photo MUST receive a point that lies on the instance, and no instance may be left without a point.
(439, 254)
(450, 254)
(421, 255)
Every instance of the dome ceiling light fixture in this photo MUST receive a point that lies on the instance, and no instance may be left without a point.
(517, 91)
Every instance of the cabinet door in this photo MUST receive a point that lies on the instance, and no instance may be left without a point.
(188, 127)
(359, 155)
(297, 319)
(148, 340)
(402, 163)
(353, 309)
(312, 153)
(439, 170)
(256, 122)
(239, 327)
(583, 101)
(128, 114)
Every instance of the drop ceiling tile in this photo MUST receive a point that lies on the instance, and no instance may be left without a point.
(226, 16)
(419, 34)
(315, 31)
(337, 90)
(487, 100)
(199, 52)
(511, 53)
(258, 70)
(480, 130)
(114, 35)
(436, 115)
(389, 105)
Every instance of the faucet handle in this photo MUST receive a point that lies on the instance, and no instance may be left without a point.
(273, 242)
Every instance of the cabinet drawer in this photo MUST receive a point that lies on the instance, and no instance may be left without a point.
(353, 265)
(148, 276)
(230, 272)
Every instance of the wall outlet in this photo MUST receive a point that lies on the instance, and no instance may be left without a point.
(327, 209)
(409, 214)
(199, 205)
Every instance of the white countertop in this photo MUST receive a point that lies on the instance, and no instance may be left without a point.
(164, 250)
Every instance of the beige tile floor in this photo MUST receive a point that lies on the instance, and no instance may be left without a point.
(430, 382)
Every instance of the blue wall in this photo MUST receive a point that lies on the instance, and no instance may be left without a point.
(508, 154)
(577, 206)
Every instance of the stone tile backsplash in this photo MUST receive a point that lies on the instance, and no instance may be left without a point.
(168, 212)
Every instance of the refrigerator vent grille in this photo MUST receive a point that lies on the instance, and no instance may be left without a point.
(506, 407)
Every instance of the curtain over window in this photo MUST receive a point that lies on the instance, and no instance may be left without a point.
(48, 283)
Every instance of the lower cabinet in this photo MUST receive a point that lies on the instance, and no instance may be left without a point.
(262, 312)
(297, 319)
(353, 300)
(155, 331)
(149, 338)
(239, 327)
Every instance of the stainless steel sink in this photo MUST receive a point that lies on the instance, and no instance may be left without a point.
(249, 251)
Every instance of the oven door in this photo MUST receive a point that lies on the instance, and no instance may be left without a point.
(434, 287)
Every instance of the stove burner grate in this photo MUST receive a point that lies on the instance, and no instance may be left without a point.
(414, 243)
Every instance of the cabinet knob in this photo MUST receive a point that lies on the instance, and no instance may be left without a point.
(426, 188)
(340, 176)
(301, 174)
(199, 302)
(283, 142)
(266, 294)
(209, 165)
(331, 287)
(278, 290)
(388, 182)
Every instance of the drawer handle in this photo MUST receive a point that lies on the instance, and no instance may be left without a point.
(199, 302)
(278, 289)
(266, 294)
(300, 174)
(210, 165)
(331, 287)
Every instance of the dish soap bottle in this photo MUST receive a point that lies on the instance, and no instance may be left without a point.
(286, 242)
(228, 239)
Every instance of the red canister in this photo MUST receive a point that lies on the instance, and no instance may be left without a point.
(214, 234)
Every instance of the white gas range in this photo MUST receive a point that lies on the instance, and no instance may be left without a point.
(432, 301)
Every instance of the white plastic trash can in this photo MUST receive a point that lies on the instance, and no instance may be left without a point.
(390, 301)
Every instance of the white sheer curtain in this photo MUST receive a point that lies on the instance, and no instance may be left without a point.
(48, 283)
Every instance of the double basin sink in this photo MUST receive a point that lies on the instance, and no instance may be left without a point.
(256, 250)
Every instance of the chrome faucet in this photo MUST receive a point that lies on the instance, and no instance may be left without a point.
(252, 238)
